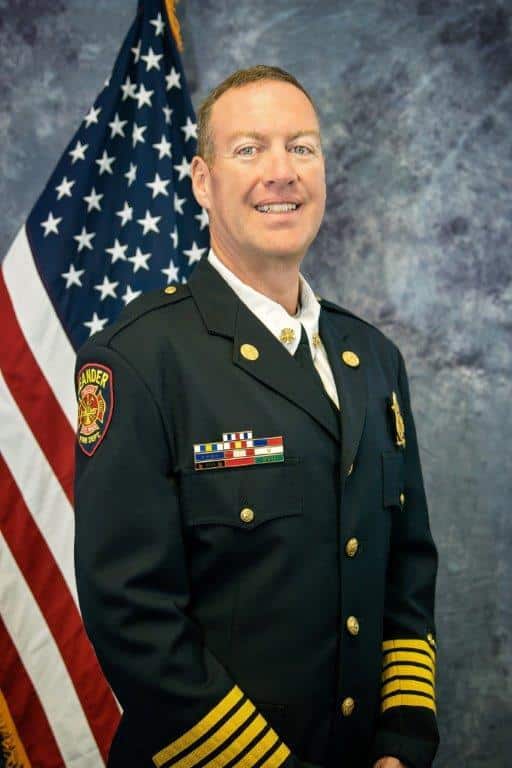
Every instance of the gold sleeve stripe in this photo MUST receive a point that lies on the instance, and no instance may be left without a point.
(401, 670)
(238, 745)
(407, 700)
(200, 728)
(418, 645)
(405, 684)
(276, 758)
(218, 737)
(415, 658)
(257, 752)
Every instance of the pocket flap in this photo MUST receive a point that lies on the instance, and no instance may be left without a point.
(218, 496)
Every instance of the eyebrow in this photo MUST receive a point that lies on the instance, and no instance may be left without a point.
(262, 137)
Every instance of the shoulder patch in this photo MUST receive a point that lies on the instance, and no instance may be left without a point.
(95, 393)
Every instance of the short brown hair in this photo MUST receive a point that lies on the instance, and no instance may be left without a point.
(205, 147)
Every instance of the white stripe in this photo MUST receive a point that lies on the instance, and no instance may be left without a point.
(39, 323)
(264, 449)
(42, 492)
(45, 667)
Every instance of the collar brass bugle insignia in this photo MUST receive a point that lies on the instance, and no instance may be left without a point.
(399, 422)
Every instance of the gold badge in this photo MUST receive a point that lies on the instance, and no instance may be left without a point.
(399, 422)
(350, 358)
(316, 340)
(249, 352)
(287, 335)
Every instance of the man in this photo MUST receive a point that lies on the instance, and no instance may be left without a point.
(253, 553)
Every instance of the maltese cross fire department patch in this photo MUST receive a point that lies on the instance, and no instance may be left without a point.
(95, 405)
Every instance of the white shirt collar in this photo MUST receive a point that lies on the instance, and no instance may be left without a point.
(271, 313)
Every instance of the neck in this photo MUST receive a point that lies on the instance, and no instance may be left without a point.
(275, 278)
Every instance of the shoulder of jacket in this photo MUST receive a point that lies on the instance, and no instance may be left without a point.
(150, 302)
(332, 307)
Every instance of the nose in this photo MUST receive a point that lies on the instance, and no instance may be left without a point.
(279, 168)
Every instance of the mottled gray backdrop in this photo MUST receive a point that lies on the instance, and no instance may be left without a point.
(416, 103)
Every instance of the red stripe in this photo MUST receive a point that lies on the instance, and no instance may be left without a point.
(34, 396)
(275, 440)
(25, 707)
(50, 590)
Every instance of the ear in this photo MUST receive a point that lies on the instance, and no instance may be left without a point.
(200, 181)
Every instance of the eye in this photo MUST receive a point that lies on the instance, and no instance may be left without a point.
(242, 150)
(302, 147)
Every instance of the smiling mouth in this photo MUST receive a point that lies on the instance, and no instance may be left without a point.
(278, 208)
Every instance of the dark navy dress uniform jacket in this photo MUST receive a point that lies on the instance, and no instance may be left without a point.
(304, 635)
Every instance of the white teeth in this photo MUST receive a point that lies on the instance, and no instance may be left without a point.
(277, 207)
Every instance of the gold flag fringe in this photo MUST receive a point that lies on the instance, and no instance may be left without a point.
(170, 6)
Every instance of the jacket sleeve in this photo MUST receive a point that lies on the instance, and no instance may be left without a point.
(407, 726)
(133, 587)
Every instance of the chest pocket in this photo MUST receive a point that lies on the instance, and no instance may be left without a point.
(242, 497)
(392, 478)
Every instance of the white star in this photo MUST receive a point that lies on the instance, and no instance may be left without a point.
(136, 52)
(159, 186)
(84, 239)
(140, 260)
(194, 254)
(93, 201)
(171, 272)
(158, 24)
(178, 203)
(143, 96)
(167, 113)
(51, 224)
(202, 218)
(149, 223)
(96, 324)
(64, 188)
(72, 276)
(78, 153)
(172, 79)
(183, 168)
(131, 174)
(189, 129)
(116, 127)
(137, 132)
(129, 89)
(126, 214)
(152, 59)
(92, 116)
(117, 251)
(174, 237)
(130, 295)
(107, 288)
(105, 163)
(164, 148)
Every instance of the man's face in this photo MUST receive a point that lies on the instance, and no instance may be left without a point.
(267, 150)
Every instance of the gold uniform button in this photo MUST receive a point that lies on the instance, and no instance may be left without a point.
(430, 638)
(170, 289)
(249, 352)
(353, 625)
(402, 499)
(348, 706)
(351, 547)
(247, 515)
(350, 358)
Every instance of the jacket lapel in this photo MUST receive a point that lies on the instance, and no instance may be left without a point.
(338, 335)
(224, 314)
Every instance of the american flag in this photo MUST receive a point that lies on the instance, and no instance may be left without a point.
(116, 218)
